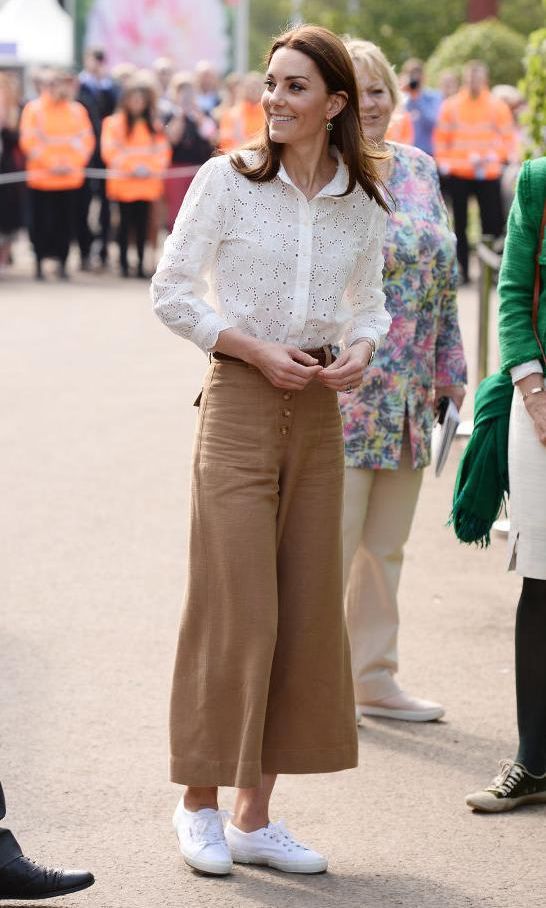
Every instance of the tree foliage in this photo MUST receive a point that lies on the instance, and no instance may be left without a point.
(533, 86)
(523, 16)
(406, 28)
(402, 29)
(500, 47)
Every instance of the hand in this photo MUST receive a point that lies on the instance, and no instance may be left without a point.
(285, 366)
(347, 372)
(456, 392)
(536, 408)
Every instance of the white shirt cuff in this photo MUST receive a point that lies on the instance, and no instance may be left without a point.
(205, 335)
(525, 369)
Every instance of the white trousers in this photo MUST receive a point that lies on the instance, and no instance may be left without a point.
(527, 470)
(378, 512)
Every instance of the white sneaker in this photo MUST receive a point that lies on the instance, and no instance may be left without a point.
(401, 706)
(274, 847)
(202, 840)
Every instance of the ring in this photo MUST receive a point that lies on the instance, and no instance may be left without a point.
(348, 389)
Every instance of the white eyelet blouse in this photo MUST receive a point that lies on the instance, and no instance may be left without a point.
(264, 259)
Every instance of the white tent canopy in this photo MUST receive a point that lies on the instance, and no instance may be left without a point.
(36, 32)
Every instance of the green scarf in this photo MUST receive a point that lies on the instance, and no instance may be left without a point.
(482, 479)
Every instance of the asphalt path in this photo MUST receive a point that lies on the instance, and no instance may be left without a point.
(95, 440)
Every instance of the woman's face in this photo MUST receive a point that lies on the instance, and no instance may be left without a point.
(296, 102)
(136, 103)
(185, 97)
(376, 104)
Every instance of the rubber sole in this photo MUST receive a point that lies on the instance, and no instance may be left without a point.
(502, 805)
(403, 715)
(240, 858)
(195, 864)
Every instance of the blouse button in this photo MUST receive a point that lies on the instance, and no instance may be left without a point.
(286, 413)
(287, 395)
(284, 430)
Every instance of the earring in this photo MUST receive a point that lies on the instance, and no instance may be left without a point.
(329, 125)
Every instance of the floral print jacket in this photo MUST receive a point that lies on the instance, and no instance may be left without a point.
(423, 346)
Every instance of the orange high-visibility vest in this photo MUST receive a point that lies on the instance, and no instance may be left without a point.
(474, 136)
(55, 134)
(125, 153)
(400, 128)
(240, 123)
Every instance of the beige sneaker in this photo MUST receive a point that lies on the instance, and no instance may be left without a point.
(403, 707)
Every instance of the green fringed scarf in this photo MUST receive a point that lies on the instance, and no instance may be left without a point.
(482, 479)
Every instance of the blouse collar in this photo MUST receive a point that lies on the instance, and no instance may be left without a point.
(337, 185)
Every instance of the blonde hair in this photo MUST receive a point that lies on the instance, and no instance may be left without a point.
(182, 79)
(374, 60)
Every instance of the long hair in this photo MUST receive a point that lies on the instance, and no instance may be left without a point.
(148, 114)
(336, 68)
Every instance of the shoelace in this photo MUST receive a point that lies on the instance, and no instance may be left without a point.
(509, 776)
(279, 833)
(208, 830)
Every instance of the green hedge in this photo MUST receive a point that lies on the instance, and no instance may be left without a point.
(533, 86)
(500, 47)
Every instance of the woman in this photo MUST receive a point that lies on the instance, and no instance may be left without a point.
(134, 145)
(291, 231)
(192, 135)
(388, 420)
(523, 780)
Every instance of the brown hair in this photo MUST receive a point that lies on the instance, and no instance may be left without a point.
(334, 63)
(145, 88)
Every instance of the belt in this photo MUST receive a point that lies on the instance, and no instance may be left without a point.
(324, 356)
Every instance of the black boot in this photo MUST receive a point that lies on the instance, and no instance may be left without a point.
(23, 879)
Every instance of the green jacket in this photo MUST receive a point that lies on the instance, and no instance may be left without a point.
(517, 275)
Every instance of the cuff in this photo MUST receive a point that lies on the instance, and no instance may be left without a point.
(525, 369)
(205, 335)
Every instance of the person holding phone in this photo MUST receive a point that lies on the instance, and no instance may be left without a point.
(421, 103)
(192, 135)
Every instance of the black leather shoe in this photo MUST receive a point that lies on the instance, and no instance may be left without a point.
(23, 879)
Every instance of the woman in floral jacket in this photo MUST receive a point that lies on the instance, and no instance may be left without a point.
(388, 419)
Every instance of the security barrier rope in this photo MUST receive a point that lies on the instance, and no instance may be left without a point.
(99, 173)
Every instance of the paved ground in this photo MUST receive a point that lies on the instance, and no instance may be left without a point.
(96, 436)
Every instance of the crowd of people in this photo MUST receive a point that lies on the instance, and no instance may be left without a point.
(326, 241)
(152, 129)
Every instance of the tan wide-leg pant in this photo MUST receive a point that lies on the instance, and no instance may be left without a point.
(262, 681)
(378, 511)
